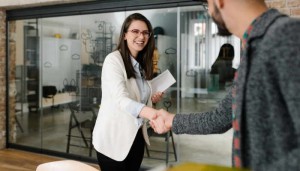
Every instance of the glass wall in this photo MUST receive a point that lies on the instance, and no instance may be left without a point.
(58, 63)
(205, 75)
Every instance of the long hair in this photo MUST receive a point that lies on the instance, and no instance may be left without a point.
(226, 52)
(145, 56)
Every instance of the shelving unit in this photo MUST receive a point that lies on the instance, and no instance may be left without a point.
(31, 67)
(19, 80)
(89, 79)
(90, 88)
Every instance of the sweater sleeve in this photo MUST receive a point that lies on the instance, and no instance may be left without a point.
(216, 121)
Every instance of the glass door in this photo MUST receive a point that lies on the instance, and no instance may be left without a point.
(26, 81)
(57, 78)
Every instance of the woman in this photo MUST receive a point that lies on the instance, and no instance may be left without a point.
(119, 134)
(223, 65)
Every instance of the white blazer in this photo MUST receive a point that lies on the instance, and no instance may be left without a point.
(115, 128)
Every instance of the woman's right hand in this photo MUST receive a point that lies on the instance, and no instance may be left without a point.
(156, 97)
(148, 113)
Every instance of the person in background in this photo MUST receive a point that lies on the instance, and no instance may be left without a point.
(264, 105)
(118, 135)
(155, 60)
(223, 65)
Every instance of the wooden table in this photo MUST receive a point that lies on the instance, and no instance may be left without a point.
(59, 98)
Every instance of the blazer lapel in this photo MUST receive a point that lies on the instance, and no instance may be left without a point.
(135, 89)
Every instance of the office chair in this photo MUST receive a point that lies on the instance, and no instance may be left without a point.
(166, 136)
(74, 122)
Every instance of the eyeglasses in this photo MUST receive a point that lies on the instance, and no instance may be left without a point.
(137, 32)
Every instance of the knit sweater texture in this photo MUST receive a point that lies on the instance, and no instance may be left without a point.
(268, 98)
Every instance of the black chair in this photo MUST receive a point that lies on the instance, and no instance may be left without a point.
(17, 120)
(74, 122)
(50, 92)
(166, 136)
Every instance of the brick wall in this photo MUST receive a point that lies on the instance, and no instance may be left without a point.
(289, 7)
(12, 83)
(2, 77)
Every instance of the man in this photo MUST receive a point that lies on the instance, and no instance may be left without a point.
(264, 105)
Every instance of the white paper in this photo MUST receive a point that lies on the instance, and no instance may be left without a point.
(162, 82)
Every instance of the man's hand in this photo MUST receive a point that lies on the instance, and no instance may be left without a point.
(163, 122)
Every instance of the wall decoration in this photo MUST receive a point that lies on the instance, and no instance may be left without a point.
(99, 43)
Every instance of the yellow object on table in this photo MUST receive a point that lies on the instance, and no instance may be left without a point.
(202, 167)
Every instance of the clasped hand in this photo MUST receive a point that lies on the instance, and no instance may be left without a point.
(162, 123)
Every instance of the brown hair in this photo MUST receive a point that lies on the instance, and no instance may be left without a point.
(226, 52)
(144, 57)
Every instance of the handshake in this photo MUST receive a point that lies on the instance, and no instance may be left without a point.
(161, 122)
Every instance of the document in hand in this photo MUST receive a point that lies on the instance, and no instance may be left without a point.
(162, 81)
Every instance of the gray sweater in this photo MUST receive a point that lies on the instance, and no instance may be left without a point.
(268, 98)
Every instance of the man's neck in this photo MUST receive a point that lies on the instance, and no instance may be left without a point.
(244, 21)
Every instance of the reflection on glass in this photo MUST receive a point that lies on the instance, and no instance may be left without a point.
(200, 86)
(24, 56)
(58, 79)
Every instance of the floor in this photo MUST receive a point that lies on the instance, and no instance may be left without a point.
(208, 149)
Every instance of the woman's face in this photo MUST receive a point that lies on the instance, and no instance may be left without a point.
(137, 37)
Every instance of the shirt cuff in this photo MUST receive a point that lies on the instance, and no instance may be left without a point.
(134, 108)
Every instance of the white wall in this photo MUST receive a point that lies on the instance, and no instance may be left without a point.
(60, 61)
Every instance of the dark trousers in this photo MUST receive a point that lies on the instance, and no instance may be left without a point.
(131, 163)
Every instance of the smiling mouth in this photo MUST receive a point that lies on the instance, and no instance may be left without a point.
(139, 42)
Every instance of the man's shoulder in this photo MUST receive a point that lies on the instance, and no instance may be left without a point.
(282, 32)
(284, 28)
(280, 42)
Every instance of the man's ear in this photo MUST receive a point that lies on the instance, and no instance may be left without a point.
(220, 3)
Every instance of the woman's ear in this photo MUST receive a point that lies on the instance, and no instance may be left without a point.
(124, 37)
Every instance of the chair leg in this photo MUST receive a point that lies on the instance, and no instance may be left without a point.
(167, 147)
(79, 129)
(167, 151)
(69, 133)
(174, 148)
(81, 132)
(91, 144)
(19, 124)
